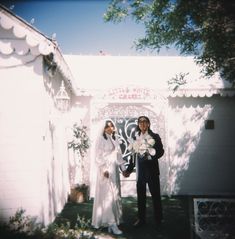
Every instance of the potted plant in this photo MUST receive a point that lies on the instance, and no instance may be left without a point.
(79, 193)
(80, 144)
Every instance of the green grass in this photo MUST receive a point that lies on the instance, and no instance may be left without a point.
(75, 220)
(176, 219)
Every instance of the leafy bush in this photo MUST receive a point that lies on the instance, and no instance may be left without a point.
(21, 226)
(81, 141)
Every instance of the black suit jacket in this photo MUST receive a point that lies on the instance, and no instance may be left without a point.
(149, 167)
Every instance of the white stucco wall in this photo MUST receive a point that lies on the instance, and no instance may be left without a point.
(197, 161)
(34, 159)
(201, 160)
(33, 143)
(21, 139)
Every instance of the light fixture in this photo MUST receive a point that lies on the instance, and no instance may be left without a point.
(62, 98)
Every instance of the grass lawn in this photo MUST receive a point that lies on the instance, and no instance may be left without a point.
(176, 219)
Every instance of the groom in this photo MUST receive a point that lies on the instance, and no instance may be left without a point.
(147, 169)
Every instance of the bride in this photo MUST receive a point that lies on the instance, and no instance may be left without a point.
(107, 207)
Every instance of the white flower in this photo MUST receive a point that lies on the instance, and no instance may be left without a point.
(152, 151)
(142, 146)
(130, 146)
(136, 146)
(151, 141)
(77, 141)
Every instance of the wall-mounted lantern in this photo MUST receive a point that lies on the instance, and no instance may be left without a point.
(62, 99)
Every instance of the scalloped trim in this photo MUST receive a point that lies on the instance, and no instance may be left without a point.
(23, 31)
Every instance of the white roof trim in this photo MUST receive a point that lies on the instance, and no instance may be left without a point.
(35, 42)
(202, 93)
(22, 29)
(168, 93)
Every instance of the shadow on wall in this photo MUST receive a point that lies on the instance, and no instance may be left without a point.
(203, 160)
(57, 178)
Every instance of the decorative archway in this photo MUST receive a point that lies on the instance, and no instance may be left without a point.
(124, 105)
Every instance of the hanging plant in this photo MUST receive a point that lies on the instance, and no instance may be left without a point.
(81, 141)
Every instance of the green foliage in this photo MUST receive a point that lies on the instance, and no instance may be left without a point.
(55, 230)
(81, 187)
(22, 223)
(81, 141)
(22, 226)
(205, 29)
(81, 230)
(83, 224)
(178, 80)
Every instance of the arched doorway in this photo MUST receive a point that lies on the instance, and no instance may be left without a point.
(123, 106)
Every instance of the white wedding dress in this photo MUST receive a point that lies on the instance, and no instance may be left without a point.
(107, 207)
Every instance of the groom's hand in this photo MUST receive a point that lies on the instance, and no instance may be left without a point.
(126, 174)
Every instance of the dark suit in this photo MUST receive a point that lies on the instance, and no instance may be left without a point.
(148, 173)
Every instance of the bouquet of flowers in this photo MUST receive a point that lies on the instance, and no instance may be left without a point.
(142, 146)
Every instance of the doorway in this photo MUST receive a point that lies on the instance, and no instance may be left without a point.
(124, 116)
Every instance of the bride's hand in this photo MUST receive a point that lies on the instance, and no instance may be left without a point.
(106, 174)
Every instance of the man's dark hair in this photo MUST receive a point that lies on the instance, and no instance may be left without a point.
(138, 128)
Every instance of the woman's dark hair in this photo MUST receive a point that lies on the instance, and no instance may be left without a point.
(107, 122)
(138, 128)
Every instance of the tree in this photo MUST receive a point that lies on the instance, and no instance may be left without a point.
(203, 28)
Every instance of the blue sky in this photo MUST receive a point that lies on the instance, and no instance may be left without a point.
(79, 26)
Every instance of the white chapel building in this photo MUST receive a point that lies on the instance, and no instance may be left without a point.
(44, 92)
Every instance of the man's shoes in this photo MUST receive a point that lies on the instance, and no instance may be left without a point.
(139, 223)
(158, 224)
